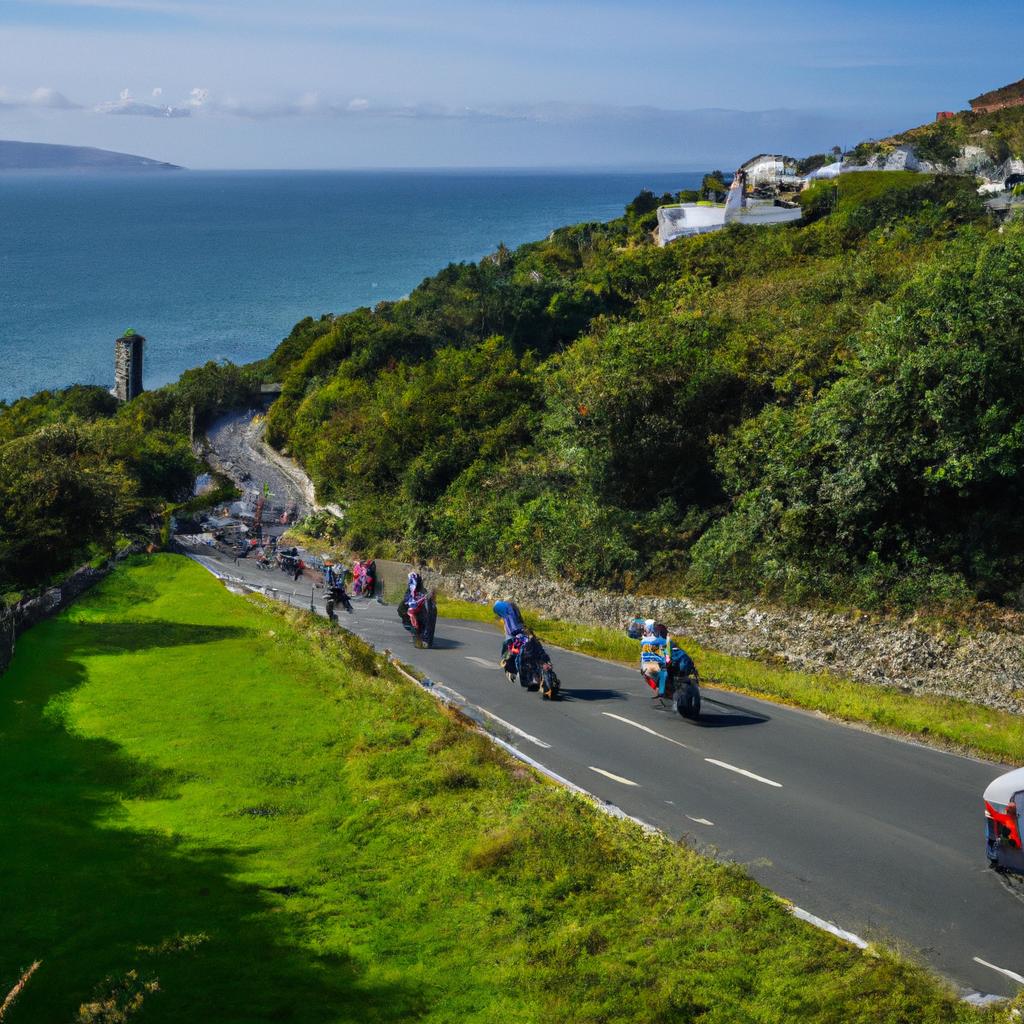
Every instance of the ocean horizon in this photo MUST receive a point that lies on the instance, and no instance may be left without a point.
(220, 264)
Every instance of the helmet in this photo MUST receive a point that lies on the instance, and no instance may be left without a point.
(649, 625)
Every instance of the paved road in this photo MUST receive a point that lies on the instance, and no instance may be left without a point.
(237, 442)
(882, 837)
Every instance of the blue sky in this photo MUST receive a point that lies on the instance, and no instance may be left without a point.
(316, 83)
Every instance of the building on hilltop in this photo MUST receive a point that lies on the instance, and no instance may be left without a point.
(999, 99)
(128, 366)
(683, 219)
(771, 169)
(945, 115)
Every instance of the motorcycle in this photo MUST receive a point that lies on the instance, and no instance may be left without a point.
(336, 595)
(682, 690)
(419, 616)
(682, 681)
(525, 661)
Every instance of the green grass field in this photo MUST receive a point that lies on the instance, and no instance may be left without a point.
(260, 820)
(944, 721)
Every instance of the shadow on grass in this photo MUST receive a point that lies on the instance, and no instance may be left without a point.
(114, 637)
(91, 900)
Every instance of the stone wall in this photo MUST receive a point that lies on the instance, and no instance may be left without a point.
(985, 668)
(17, 618)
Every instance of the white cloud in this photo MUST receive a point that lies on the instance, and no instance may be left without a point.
(128, 105)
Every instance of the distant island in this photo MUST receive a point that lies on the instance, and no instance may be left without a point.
(41, 156)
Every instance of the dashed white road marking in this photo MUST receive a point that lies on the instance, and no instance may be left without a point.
(614, 778)
(514, 728)
(482, 662)
(1002, 970)
(637, 725)
(743, 771)
(700, 821)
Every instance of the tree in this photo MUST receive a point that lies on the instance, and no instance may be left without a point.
(713, 186)
(58, 496)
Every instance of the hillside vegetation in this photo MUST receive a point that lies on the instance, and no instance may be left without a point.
(830, 411)
(1000, 134)
(220, 810)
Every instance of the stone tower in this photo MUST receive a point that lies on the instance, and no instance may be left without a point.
(128, 365)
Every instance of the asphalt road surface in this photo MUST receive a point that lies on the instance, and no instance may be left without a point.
(881, 837)
(236, 439)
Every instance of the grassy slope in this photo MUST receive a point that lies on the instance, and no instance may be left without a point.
(956, 723)
(220, 794)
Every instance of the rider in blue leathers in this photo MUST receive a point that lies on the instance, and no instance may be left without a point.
(511, 619)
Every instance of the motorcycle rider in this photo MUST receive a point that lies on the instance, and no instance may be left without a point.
(413, 593)
(662, 660)
(654, 657)
(512, 620)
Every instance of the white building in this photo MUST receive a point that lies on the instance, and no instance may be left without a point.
(771, 169)
(685, 219)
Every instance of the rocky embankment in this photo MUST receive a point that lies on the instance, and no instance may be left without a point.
(971, 160)
(236, 447)
(986, 667)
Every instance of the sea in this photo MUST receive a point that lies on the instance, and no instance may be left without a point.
(220, 265)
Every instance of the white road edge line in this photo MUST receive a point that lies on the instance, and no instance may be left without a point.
(1002, 970)
(435, 687)
(828, 926)
(613, 777)
(700, 821)
(514, 728)
(743, 771)
(637, 725)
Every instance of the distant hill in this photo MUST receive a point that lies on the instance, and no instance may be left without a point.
(41, 156)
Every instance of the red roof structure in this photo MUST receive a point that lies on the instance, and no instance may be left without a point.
(999, 99)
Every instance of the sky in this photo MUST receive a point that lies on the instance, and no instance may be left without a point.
(486, 83)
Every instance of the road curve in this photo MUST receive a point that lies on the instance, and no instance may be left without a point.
(881, 836)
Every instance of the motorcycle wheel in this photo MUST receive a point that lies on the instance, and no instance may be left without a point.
(687, 700)
(431, 624)
(549, 685)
